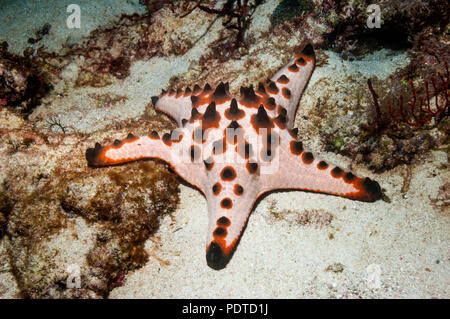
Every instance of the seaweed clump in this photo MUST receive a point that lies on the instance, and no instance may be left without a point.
(22, 81)
(401, 23)
(6, 206)
(390, 123)
(400, 131)
(121, 207)
(237, 16)
(40, 33)
(110, 52)
(419, 111)
(127, 211)
(55, 211)
(288, 9)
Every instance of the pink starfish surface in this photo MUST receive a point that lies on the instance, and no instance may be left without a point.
(236, 149)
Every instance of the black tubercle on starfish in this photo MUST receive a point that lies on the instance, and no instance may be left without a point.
(92, 154)
(220, 95)
(252, 167)
(372, 188)
(238, 189)
(337, 172)
(349, 177)
(207, 88)
(272, 140)
(220, 232)
(211, 117)
(294, 132)
(166, 139)
(215, 257)
(197, 89)
(281, 121)
(219, 146)
(270, 103)
(261, 119)
(154, 135)
(301, 61)
(217, 187)
(233, 132)
(309, 51)
(261, 88)
(283, 79)
(267, 154)
(195, 115)
(223, 221)
(194, 153)
(322, 165)
(248, 97)
(286, 93)
(228, 174)
(234, 113)
(245, 150)
(293, 68)
(234, 125)
(272, 87)
(307, 157)
(194, 100)
(296, 147)
(226, 203)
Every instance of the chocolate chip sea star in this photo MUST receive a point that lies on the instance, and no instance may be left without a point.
(236, 149)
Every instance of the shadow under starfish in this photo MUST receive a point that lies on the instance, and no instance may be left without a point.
(234, 150)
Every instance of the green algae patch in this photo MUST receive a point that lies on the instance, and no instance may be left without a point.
(338, 143)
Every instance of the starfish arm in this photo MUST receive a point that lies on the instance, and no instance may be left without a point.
(301, 170)
(175, 104)
(230, 203)
(183, 105)
(170, 149)
(288, 84)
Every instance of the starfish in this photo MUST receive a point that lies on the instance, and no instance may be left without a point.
(234, 150)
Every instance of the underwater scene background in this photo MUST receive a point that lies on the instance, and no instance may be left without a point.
(74, 73)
